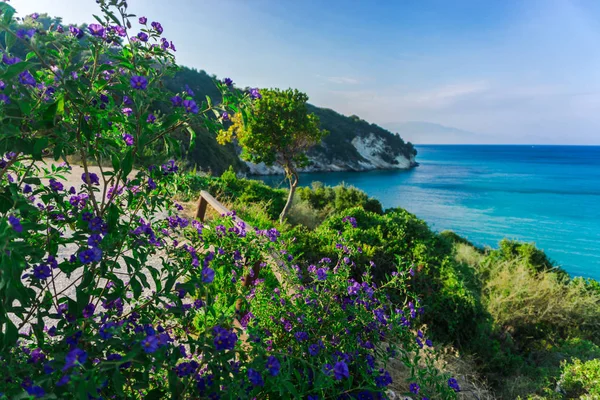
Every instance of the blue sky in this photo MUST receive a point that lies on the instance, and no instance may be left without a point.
(509, 71)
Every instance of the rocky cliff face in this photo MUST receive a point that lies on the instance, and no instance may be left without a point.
(372, 152)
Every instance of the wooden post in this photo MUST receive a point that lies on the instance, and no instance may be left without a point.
(201, 210)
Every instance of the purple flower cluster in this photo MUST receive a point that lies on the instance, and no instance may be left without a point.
(350, 220)
(224, 339)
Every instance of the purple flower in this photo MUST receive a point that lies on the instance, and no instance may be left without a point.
(25, 78)
(255, 378)
(190, 106)
(301, 336)
(36, 391)
(429, 343)
(225, 116)
(90, 255)
(453, 384)
(15, 223)
(120, 30)
(105, 331)
(55, 185)
(36, 356)
(228, 81)
(142, 36)
(4, 98)
(151, 184)
(60, 29)
(74, 357)
(10, 61)
(25, 33)
(128, 139)
(63, 381)
(208, 275)
(127, 111)
(164, 43)
(177, 101)
(88, 310)
(75, 31)
(139, 82)
(313, 349)
(151, 118)
(189, 91)
(150, 344)
(94, 240)
(96, 30)
(143, 20)
(383, 380)
(42, 272)
(255, 93)
(273, 365)
(340, 370)
(321, 274)
(173, 47)
(157, 27)
(35, 16)
(90, 178)
(414, 388)
(170, 167)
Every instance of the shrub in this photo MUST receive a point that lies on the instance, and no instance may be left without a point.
(532, 306)
(581, 380)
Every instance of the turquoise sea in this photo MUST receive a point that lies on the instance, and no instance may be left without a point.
(549, 195)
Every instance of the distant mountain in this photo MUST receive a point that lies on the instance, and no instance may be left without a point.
(429, 133)
(353, 144)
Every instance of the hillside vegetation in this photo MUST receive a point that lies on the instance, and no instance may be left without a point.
(511, 314)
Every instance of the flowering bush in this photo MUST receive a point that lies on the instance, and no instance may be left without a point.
(107, 291)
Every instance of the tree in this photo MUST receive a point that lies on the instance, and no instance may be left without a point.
(277, 129)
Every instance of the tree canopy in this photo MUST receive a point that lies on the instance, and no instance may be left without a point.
(277, 130)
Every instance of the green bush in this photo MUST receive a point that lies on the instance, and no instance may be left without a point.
(581, 380)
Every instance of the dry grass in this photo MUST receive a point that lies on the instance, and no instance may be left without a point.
(516, 297)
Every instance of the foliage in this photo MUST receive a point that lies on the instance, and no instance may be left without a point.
(107, 291)
(581, 380)
(277, 130)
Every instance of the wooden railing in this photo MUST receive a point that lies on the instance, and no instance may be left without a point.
(205, 200)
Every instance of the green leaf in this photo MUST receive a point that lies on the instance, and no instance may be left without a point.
(30, 55)
(33, 181)
(16, 69)
(136, 287)
(127, 164)
(10, 41)
(6, 201)
(39, 147)
(116, 163)
(192, 136)
(10, 336)
(7, 12)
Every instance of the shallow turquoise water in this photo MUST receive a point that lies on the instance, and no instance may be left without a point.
(549, 195)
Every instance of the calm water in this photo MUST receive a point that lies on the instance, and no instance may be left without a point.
(549, 195)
